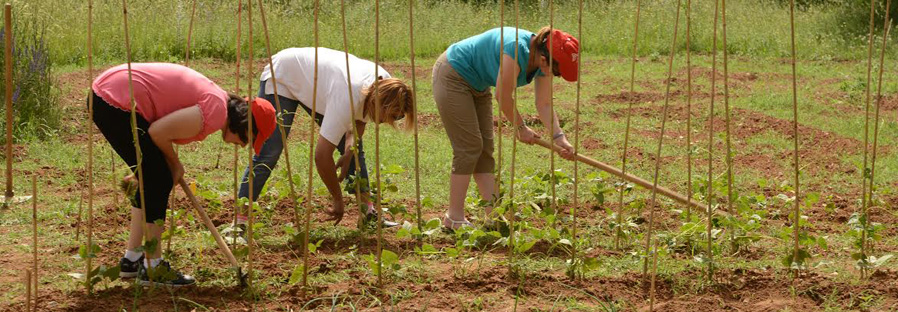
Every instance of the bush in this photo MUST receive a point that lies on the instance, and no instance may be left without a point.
(35, 113)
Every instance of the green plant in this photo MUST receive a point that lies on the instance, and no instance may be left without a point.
(34, 101)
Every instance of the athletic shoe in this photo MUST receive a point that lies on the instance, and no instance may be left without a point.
(128, 268)
(164, 275)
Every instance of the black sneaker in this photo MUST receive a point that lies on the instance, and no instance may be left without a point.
(371, 218)
(164, 275)
(128, 268)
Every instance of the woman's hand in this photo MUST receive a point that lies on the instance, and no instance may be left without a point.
(567, 150)
(527, 135)
(177, 171)
(335, 214)
(343, 165)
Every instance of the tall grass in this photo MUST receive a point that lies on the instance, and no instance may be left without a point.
(756, 27)
(35, 113)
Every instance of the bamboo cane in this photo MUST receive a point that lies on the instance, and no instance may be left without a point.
(249, 228)
(654, 203)
(34, 237)
(90, 146)
(885, 35)
(7, 35)
(709, 211)
(514, 143)
(355, 130)
(623, 187)
(550, 128)
(277, 102)
(688, 109)
(411, 35)
(577, 134)
(237, 90)
(377, 118)
(308, 212)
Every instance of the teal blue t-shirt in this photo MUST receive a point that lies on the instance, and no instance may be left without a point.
(477, 58)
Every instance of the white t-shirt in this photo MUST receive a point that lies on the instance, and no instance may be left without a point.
(295, 70)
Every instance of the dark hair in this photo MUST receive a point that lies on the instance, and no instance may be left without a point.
(238, 121)
(542, 46)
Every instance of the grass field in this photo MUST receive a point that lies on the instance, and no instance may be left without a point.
(445, 272)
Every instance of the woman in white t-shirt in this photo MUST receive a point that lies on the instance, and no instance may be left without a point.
(295, 70)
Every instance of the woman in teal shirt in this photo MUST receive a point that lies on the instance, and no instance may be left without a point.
(462, 77)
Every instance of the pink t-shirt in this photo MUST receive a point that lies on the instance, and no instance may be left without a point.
(161, 89)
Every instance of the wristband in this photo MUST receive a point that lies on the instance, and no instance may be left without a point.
(558, 135)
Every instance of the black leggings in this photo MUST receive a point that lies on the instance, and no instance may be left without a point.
(115, 124)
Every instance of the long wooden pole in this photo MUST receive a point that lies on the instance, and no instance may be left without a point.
(136, 139)
(688, 109)
(623, 187)
(864, 198)
(377, 120)
(355, 130)
(885, 39)
(236, 90)
(171, 200)
(90, 146)
(308, 212)
(34, 262)
(796, 227)
(277, 102)
(577, 131)
(514, 144)
(7, 35)
(27, 290)
(653, 205)
(411, 35)
(710, 212)
(249, 228)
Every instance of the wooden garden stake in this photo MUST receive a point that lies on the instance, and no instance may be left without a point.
(355, 130)
(27, 290)
(135, 134)
(654, 274)
(654, 203)
(90, 146)
(7, 35)
(726, 107)
(78, 221)
(308, 212)
(688, 110)
(377, 118)
(632, 95)
(249, 228)
(237, 90)
(171, 199)
(797, 213)
(577, 135)
(551, 128)
(514, 145)
(277, 102)
(710, 211)
(411, 36)
(34, 236)
(498, 169)
(885, 37)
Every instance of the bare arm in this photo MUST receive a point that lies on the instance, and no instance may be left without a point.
(181, 124)
(505, 85)
(542, 93)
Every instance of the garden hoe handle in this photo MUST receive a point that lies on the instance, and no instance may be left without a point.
(626, 176)
(221, 243)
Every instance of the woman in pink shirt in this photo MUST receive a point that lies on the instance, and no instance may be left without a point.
(175, 105)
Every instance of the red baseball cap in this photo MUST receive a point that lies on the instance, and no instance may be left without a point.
(565, 50)
(265, 119)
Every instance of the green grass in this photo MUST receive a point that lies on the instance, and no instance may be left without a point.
(607, 29)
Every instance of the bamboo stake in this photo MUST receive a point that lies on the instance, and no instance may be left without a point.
(249, 228)
(308, 212)
(90, 146)
(688, 110)
(710, 211)
(623, 187)
(797, 212)
(411, 36)
(139, 154)
(654, 275)
(78, 221)
(34, 262)
(726, 107)
(237, 90)
(377, 118)
(654, 203)
(171, 199)
(551, 127)
(577, 126)
(7, 35)
(866, 136)
(514, 143)
(27, 290)
(277, 102)
(355, 130)
(885, 37)
(498, 169)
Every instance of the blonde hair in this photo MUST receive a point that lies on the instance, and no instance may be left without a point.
(395, 98)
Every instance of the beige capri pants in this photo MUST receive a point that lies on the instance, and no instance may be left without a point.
(467, 116)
